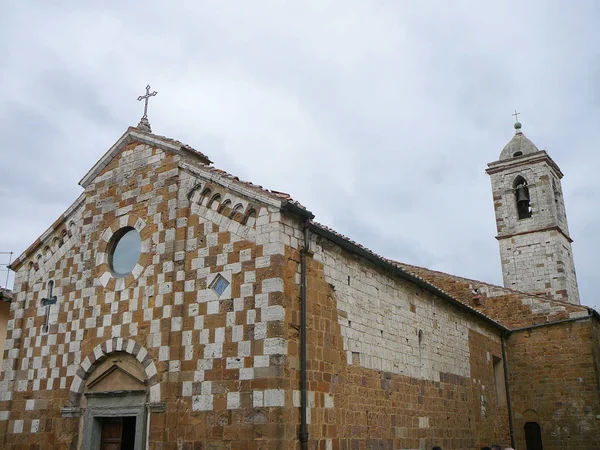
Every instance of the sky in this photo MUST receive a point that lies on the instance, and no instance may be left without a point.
(380, 117)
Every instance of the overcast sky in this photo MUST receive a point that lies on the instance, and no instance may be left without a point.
(379, 116)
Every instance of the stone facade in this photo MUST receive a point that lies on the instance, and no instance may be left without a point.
(535, 251)
(398, 357)
(393, 362)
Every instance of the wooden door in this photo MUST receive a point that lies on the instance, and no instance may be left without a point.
(112, 430)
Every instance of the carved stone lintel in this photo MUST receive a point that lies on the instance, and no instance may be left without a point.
(70, 411)
(157, 407)
(114, 393)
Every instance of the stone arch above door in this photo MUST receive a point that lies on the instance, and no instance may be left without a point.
(99, 354)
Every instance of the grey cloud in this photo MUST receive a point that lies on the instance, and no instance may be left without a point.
(379, 116)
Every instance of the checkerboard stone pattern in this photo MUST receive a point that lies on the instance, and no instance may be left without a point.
(214, 362)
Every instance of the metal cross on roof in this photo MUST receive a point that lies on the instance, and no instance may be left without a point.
(145, 98)
(516, 114)
(144, 125)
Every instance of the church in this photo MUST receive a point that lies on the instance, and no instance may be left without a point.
(174, 306)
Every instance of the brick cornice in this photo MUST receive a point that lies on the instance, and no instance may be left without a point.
(527, 160)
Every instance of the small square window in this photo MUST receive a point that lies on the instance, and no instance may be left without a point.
(219, 284)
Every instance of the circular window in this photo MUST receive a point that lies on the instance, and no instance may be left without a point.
(125, 251)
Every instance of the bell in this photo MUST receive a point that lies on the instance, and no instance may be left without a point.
(522, 195)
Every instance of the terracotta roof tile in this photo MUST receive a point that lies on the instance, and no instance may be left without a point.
(512, 308)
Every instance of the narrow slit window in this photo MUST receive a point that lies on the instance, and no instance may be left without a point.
(499, 381)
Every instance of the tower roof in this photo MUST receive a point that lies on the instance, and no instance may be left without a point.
(519, 145)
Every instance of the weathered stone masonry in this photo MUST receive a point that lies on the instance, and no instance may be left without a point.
(535, 251)
(215, 358)
(390, 364)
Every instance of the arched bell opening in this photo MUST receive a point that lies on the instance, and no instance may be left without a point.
(522, 198)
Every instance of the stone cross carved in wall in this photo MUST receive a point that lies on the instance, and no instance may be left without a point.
(47, 302)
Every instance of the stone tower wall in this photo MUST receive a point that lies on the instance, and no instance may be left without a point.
(535, 252)
(540, 263)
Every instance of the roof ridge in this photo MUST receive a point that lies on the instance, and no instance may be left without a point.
(172, 141)
(279, 195)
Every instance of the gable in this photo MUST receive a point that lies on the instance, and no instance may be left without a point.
(145, 148)
(133, 136)
(118, 372)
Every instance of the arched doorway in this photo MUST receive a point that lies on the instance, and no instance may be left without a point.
(115, 390)
(114, 398)
(533, 436)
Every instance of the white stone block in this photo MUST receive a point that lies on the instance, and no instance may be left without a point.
(257, 399)
(233, 400)
(274, 397)
(18, 426)
(272, 285)
(275, 346)
(202, 402)
(273, 313)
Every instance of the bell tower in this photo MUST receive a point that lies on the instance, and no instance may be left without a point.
(535, 246)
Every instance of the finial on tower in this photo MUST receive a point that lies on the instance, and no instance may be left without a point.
(517, 123)
(144, 125)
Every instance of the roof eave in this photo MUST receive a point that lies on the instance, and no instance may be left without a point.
(17, 263)
(296, 210)
(503, 164)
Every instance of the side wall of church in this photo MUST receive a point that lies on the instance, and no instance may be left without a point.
(554, 379)
(213, 363)
(389, 364)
